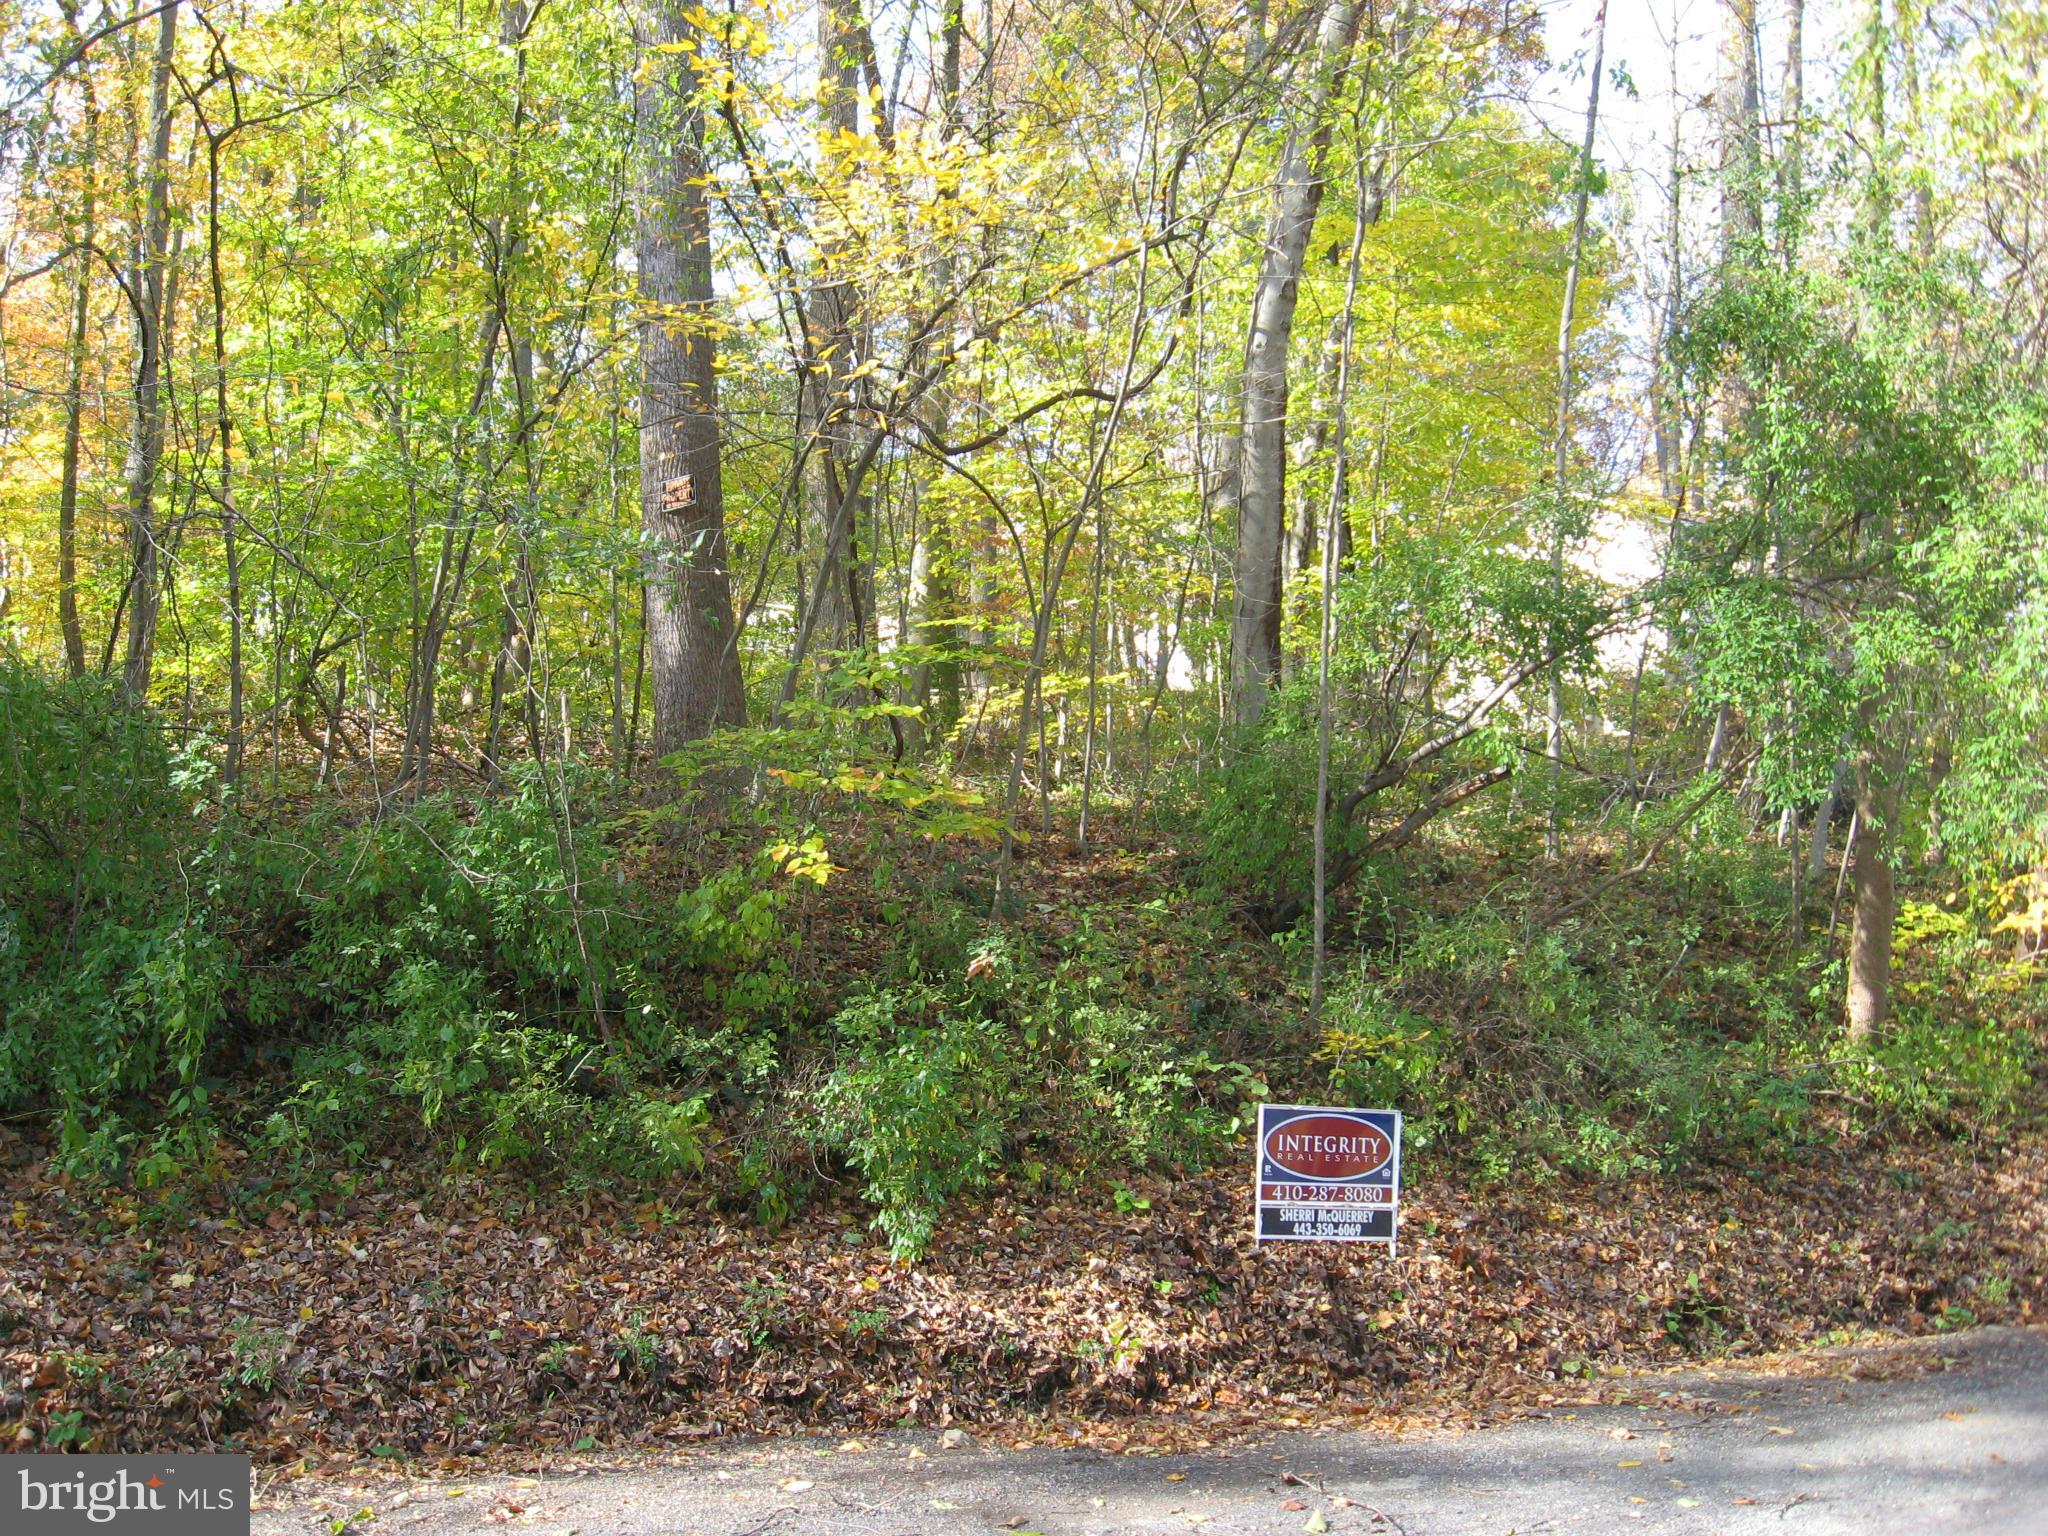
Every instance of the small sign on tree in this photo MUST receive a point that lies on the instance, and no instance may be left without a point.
(1328, 1175)
(679, 494)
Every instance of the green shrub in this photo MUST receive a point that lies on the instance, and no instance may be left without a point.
(1952, 1074)
(479, 974)
(1250, 821)
(113, 976)
(919, 1102)
(932, 1087)
(1596, 1048)
(1381, 1053)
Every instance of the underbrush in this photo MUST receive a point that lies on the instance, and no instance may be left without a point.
(935, 1087)
(511, 981)
(1673, 1026)
(1677, 1019)
(1600, 1050)
(586, 995)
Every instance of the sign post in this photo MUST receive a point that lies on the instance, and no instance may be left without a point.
(1328, 1175)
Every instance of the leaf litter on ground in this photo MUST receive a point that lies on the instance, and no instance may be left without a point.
(440, 1323)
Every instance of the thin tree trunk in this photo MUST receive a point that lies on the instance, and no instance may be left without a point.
(1870, 933)
(834, 529)
(1920, 195)
(1095, 582)
(224, 432)
(1792, 166)
(74, 394)
(1823, 819)
(1664, 399)
(1326, 630)
(1717, 744)
(517, 638)
(617, 739)
(1870, 936)
(1553, 740)
(1303, 546)
(1868, 106)
(451, 572)
(146, 432)
(935, 683)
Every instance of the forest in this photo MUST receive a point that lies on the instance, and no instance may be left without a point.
(842, 630)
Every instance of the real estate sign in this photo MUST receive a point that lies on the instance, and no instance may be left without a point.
(1327, 1175)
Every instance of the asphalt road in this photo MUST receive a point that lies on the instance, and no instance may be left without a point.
(1943, 1435)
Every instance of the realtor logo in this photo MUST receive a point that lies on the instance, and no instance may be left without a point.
(124, 1495)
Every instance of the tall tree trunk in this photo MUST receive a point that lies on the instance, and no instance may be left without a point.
(74, 384)
(692, 641)
(1868, 103)
(1920, 196)
(830, 317)
(617, 741)
(1735, 112)
(1334, 522)
(1262, 417)
(1553, 740)
(224, 424)
(1663, 397)
(1792, 162)
(934, 594)
(1735, 116)
(513, 665)
(146, 431)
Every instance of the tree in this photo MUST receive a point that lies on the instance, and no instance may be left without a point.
(1261, 455)
(152, 292)
(1553, 737)
(692, 639)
